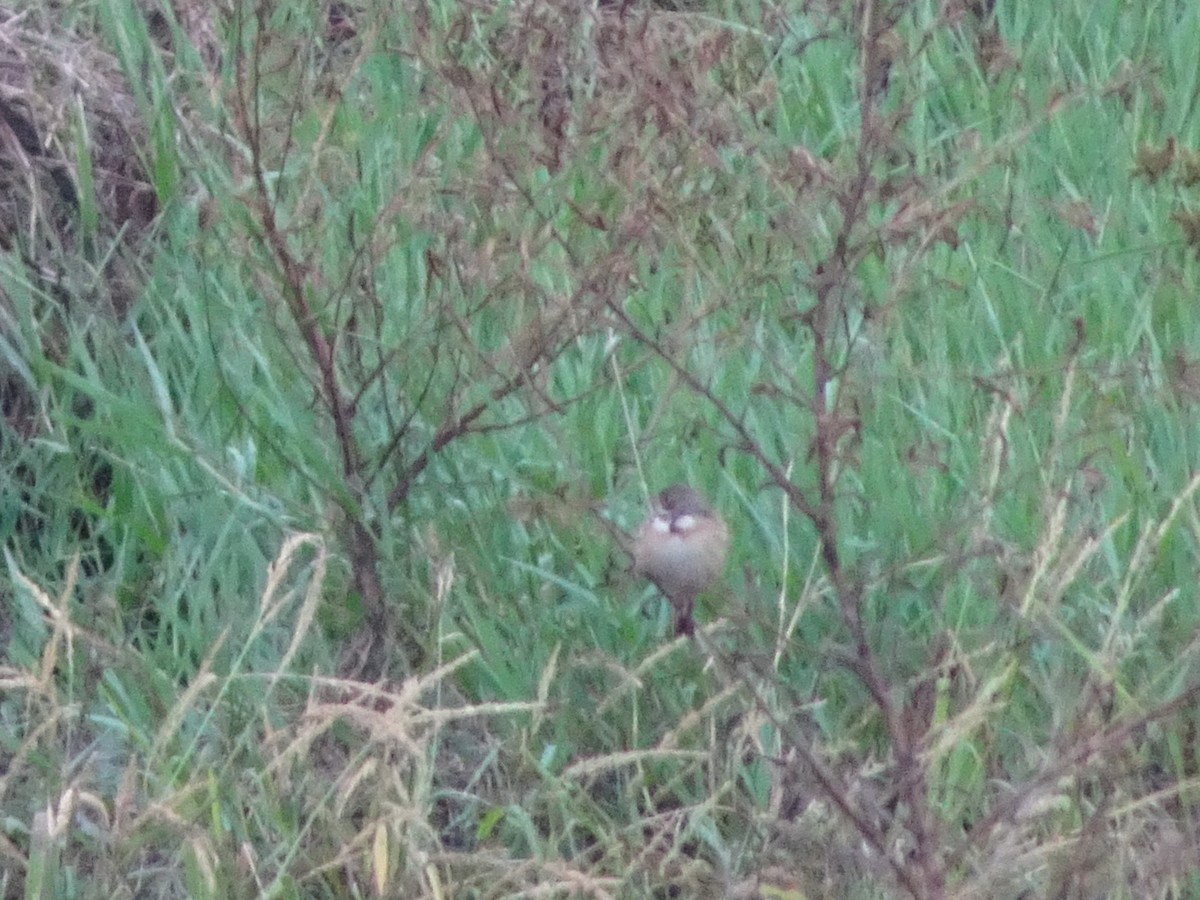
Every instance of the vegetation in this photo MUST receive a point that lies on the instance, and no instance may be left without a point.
(341, 344)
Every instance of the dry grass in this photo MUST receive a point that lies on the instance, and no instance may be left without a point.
(338, 344)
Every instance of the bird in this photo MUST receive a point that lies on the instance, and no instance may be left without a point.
(681, 548)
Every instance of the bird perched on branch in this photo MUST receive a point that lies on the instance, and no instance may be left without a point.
(682, 549)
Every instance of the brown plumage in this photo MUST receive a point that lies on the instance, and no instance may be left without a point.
(682, 549)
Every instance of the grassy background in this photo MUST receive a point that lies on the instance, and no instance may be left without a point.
(314, 580)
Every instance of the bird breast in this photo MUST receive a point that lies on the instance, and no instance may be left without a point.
(682, 556)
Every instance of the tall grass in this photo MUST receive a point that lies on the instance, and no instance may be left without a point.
(315, 581)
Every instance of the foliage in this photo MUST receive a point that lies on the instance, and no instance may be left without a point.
(318, 476)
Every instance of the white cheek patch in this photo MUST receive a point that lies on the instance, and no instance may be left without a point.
(661, 524)
(683, 523)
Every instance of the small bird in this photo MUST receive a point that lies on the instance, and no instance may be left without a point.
(681, 548)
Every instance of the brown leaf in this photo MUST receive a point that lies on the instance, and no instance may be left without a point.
(1152, 162)
(1190, 223)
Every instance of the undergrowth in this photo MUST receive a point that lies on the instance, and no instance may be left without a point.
(331, 399)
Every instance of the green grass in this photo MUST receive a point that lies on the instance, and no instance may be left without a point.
(313, 588)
